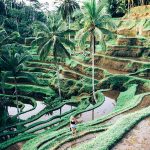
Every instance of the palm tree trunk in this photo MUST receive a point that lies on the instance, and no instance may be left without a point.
(4, 109)
(33, 15)
(11, 5)
(128, 7)
(16, 93)
(2, 87)
(58, 78)
(17, 25)
(3, 91)
(69, 25)
(5, 7)
(93, 51)
(60, 112)
(92, 114)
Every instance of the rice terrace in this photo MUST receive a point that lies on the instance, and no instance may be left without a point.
(74, 74)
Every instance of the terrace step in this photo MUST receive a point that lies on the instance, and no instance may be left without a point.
(126, 51)
(103, 67)
(74, 75)
(120, 64)
(131, 41)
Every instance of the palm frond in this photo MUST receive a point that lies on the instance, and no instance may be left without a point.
(23, 58)
(60, 50)
(7, 74)
(41, 34)
(103, 44)
(38, 41)
(106, 31)
(104, 17)
(88, 9)
(83, 39)
(100, 7)
(79, 34)
(40, 27)
(46, 49)
(4, 62)
(27, 75)
(67, 32)
(94, 7)
(67, 42)
(40, 45)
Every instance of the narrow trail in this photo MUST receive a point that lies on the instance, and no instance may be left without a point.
(17, 146)
(69, 146)
(136, 139)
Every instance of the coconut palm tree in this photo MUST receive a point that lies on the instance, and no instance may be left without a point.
(96, 24)
(13, 64)
(32, 13)
(67, 8)
(51, 39)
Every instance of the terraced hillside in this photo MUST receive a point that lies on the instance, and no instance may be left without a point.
(122, 82)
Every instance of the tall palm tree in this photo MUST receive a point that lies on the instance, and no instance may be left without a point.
(13, 64)
(33, 4)
(51, 39)
(96, 24)
(67, 8)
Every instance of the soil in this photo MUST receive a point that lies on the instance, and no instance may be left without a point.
(112, 94)
(137, 139)
(73, 144)
(17, 146)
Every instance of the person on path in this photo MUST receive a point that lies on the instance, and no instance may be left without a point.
(73, 125)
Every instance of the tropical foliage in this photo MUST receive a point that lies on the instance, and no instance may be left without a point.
(66, 9)
(96, 24)
(13, 63)
(55, 64)
(51, 40)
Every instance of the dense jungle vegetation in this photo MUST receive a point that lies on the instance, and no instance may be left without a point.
(67, 61)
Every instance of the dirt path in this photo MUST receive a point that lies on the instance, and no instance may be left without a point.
(137, 139)
(17, 146)
(73, 144)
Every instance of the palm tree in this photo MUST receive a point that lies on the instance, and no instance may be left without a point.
(33, 3)
(96, 23)
(51, 39)
(13, 64)
(67, 8)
